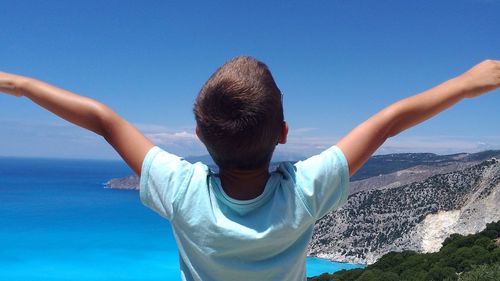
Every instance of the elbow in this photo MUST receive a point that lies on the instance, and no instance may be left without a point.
(105, 120)
(391, 116)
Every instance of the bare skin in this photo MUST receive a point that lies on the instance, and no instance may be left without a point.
(242, 184)
(365, 139)
(357, 146)
(247, 184)
(87, 113)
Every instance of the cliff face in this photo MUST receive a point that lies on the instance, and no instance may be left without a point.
(414, 216)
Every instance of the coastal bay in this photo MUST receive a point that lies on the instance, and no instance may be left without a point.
(58, 222)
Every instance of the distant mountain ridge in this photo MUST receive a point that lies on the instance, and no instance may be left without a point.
(389, 163)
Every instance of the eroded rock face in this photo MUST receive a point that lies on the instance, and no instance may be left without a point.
(130, 182)
(416, 216)
(435, 228)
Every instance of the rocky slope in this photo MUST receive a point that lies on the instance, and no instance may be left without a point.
(391, 170)
(130, 182)
(415, 216)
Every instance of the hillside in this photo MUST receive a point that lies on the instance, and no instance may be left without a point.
(416, 216)
(474, 257)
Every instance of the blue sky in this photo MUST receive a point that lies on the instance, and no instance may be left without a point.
(337, 63)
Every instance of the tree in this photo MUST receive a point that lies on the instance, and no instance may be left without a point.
(441, 273)
(482, 273)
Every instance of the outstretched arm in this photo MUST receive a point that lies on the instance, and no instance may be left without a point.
(364, 140)
(84, 112)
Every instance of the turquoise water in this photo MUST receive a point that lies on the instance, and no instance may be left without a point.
(57, 222)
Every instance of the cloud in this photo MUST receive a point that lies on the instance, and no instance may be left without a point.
(60, 139)
(307, 145)
(440, 144)
(166, 133)
(301, 131)
(181, 143)
(169, 138)
(54, 139)
(151, 128)
(176, 140)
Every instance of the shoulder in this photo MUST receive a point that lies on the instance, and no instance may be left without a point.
(166, 179)
(322, 181)
(332, 156)
(160, 163)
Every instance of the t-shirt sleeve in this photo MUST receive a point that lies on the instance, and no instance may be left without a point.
(323, 181)
(163, 177)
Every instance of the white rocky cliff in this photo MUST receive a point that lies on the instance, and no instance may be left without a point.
(416, 216)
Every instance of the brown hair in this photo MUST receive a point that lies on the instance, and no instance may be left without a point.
(239, 114)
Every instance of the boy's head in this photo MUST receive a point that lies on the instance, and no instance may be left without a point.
(239, 115)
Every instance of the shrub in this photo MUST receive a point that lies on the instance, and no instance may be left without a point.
(482, 273)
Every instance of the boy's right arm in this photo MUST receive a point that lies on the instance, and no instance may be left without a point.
(366, 138)
(131, 144)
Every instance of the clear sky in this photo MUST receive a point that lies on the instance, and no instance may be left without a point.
(336, 62)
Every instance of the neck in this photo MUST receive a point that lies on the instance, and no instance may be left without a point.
(244, 184)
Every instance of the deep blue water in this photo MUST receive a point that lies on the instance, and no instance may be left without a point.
(57, 222)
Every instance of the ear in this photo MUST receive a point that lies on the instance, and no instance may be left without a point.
(198, 133)
(283, 133)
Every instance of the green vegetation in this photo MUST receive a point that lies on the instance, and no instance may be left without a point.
(464, 258)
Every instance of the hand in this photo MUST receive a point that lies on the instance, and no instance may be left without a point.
(9, 84)
(482, 78)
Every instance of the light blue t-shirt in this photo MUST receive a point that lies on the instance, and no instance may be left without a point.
(265, 238)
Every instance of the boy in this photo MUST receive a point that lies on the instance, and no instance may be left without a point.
(246, 223)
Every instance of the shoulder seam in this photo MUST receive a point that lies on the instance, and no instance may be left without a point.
(297, 190)
(302, 199)
(147, 161)
(183, 190)
(345, 181)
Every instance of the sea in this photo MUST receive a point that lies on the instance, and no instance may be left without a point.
(58, 222)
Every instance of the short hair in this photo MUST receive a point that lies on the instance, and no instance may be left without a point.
(239, 114)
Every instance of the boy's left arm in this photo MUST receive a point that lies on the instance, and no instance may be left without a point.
(90, 114)
(366, 138)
